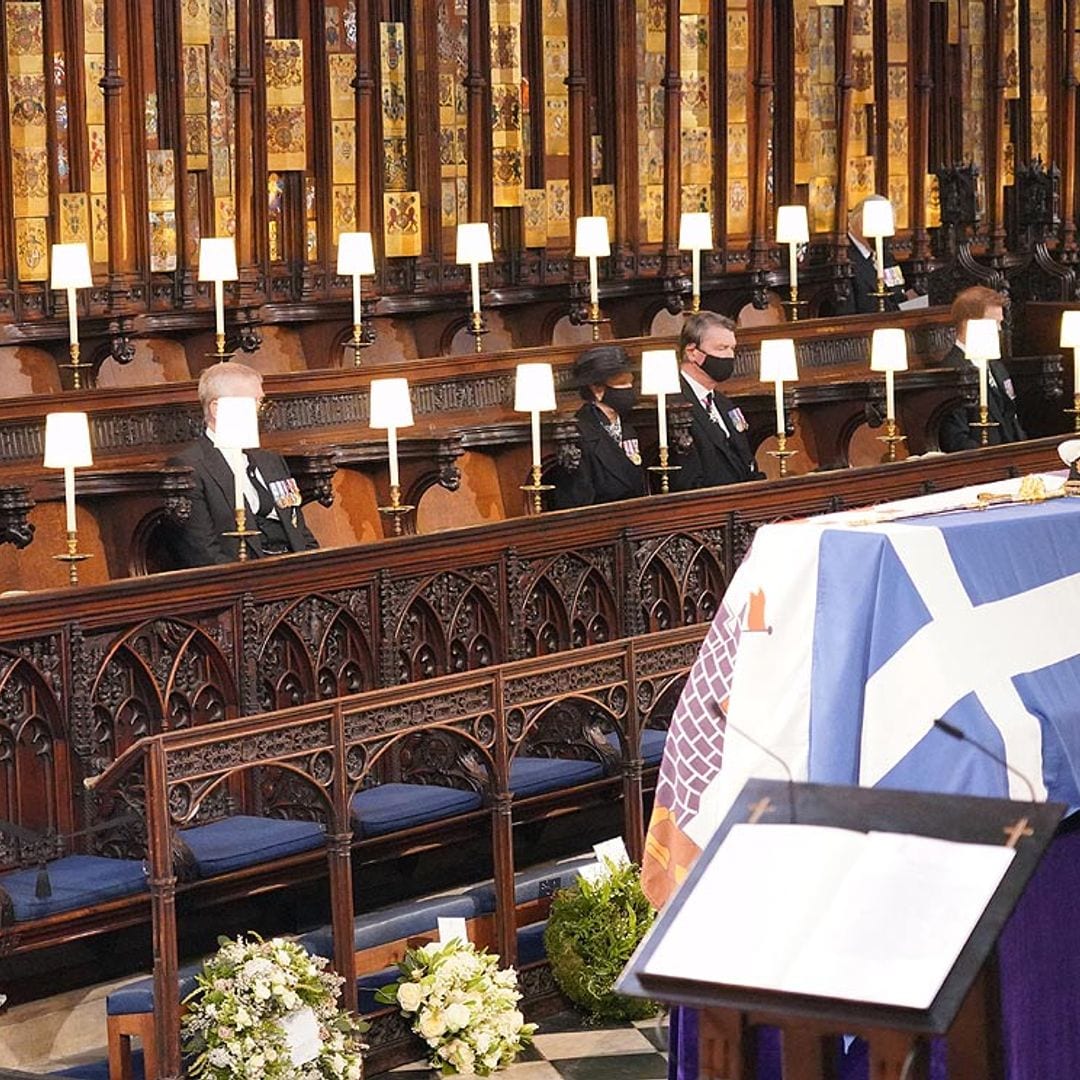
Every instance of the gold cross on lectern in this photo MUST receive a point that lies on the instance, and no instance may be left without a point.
(758, 810)
(1016, 830)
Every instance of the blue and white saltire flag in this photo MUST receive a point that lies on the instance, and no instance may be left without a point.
(869, 626)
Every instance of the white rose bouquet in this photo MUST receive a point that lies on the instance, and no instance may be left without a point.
(268, 1010)
(462, 1006)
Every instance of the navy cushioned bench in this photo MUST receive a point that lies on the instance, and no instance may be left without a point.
(652, 744)
(537, 775)
(77, 881)
(234, 843)
(391, 807)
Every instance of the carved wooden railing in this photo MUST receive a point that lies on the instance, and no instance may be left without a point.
(334, 747)
(85, 673)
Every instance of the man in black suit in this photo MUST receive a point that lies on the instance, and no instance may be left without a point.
(270, 493)
(720, 452)
(956, 432)
(863, 264)
(610, 464)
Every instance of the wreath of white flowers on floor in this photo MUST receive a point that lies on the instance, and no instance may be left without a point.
(462, 1006)
(268, 1010)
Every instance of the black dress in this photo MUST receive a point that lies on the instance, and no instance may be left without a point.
(605, 472)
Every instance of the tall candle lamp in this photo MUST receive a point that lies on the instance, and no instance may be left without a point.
(793, 229)
(695, 236)
(778, 366)
(391, 408)
(70, 270)
(591, 242)
(878, 223)
(217, 263)
(888, 353)
(356, 256)
(982, 343)
(534, 393)
(474, 248)
(67, 447)
(236, 429)
(660, 376)
(1070, 338)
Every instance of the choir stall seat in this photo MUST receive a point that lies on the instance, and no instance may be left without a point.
(391, 807)
(75, 881)
(240, 841)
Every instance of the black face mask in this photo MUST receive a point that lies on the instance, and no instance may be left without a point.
(620, 398)
(718, 368)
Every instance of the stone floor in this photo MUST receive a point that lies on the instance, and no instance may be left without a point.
(567, 1047)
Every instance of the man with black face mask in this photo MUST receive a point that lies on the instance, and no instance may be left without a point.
(720, 452)
(610, 465)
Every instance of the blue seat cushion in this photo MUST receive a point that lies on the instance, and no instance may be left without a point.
(77, 881)
(652, 744)
(530, 944)
(235, 842)
(535, 775)
(391, 807)
(366, 985)
(547, 878)
(138, 997)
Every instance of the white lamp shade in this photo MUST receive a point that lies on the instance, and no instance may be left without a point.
(391, 406)
(355, 255)
(660, 372)
(877, 218)
(695, 232)
(70, 267)
(888, 350)
(981, 340)
(474, 243)
(217, 259)
(792, 226)
(1070, 328)
(67, 441)
(778, 360)
(534, 387)
(1069, 451)
(591, 237)
(236, 423)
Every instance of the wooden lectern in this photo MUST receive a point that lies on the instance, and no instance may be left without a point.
(965, 1008)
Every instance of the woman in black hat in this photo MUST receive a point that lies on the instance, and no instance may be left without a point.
(610, 465)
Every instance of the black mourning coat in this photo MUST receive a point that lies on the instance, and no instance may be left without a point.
(198, 541)
(956, 431)
(864, 285)
(715, 457)
(605, 473)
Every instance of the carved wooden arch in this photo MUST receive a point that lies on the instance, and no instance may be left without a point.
(426, 644)
(428, 755)
(581, 607)
(186, 800)
(35, 766)
(302, 661)
(571, 726)
(208, 694)
(151, 551)
(680, 580)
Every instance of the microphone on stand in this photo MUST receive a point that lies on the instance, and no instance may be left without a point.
(729, 726)
(962, 736)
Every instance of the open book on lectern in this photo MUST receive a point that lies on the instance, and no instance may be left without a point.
(827, 912)
(879, 905)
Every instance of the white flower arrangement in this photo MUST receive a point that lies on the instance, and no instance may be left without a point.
(463, 1006)
(268, 1010)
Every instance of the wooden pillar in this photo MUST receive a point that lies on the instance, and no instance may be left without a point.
(627, 191)
(762, 113)
(502, 835)
(117, 151)
(162, 882)
(672, 84)
(578, 116)
(365, 117)
(919, 159)
(995, 172)
(171, 129)
(478, 89)
(845, 83)
(243, 84)
(134, 112)
(339, 855)
(632, 764)
(1068, 157)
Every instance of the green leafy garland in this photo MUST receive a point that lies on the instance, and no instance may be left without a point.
(593, 929)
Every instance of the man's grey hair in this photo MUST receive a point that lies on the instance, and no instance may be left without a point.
(696, 326)
(230, 379)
